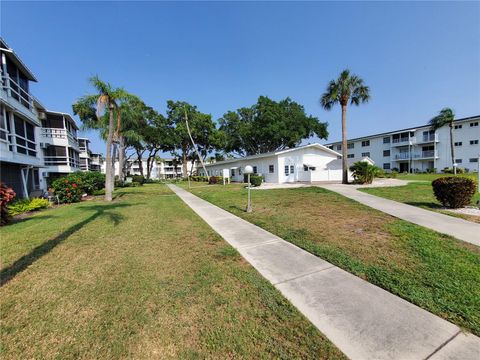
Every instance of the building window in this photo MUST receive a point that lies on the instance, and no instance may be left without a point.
(350, 146)
(305, 168)
(232, 172)
(458, 161)
(474, 124)
(458, 143)
(330, 147)
(365, 143)
(286, 170)
(271, 169)
(386, 153)
(366, 154)
(3, 124)
(474, 160)
(350, 156)
(255, 170)
(339, 147)
(473, 142)
(386, 140)
(386, 166)
(292, 169)
(239, 171)
(25, 137)
(458, 126)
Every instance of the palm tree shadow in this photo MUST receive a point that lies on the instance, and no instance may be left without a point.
(25, 261)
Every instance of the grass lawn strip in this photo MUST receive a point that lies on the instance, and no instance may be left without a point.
(419, 194)
(142, 277)
(431, 270)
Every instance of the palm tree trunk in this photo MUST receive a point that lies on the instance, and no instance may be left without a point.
(452, 150)
(121, 159)
(108, 159)
(344, 146)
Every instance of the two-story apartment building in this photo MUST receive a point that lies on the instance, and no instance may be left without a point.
(419, 149)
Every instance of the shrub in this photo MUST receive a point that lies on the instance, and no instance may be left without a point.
(450, 170)
(213, 180)
(138, 179)
(89, 181)
(454, 192)
(364, 173)
(67, 189)
(255, 180)
(6, 195)
(394, 174)
(26, 205)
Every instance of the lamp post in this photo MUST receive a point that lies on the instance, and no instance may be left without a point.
(248, 170)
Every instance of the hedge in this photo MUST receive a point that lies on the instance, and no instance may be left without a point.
(454, 192)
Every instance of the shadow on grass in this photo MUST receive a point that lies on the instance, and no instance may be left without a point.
(27, 217)
(25, 261)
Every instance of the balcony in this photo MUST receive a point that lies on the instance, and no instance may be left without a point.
(62, 161)
(428, 139)
(56, 133)
(428, 154)
(403, 141)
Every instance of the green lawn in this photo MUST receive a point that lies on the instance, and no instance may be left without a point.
(434, 271)
(142, 277)
(419, 194)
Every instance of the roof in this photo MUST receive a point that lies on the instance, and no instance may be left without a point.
(16, 60)
(275, 153)
(402, 130)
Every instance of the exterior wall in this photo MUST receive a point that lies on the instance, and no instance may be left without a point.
(323, 166)
(421, 152)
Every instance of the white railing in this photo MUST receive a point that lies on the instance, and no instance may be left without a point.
(61, 160)
(14, 90)
(410, 140)
(421, 155)
(429, 138)
(56, 133)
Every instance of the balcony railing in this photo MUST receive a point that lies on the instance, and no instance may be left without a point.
(421, 155)
(429, 138)
(55, 133)
(61, 160)
(14, 90)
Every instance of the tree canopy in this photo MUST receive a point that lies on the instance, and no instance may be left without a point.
(268, 126)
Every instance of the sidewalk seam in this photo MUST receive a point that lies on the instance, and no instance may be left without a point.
(443, 345)
(303, 275)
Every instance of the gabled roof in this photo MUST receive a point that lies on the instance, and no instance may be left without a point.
(279, 152)
(16, 60)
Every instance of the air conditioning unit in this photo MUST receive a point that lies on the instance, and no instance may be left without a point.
(44, 145)
(44, 174)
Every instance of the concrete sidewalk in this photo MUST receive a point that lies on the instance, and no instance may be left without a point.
(461, 229)
(362, 320)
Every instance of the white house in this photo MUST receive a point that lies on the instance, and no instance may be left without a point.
(308, 163)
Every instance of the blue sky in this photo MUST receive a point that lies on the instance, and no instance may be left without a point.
(416, 57)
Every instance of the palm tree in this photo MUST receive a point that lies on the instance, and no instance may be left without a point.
(92, 110)
(446, 116)
(348, 87)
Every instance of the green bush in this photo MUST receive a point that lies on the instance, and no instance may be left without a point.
(6, 195)
(454, 192)
(67, 189)
(89, 181)
(255, 180)
(364, 173)
(450, 170)
(26, 205)
(138, 179)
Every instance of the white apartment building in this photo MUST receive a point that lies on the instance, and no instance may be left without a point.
(419, 149)
(36, 145)
(169, 168)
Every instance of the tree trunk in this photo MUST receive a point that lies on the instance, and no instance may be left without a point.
(452, 150)
(108, 159)
(184, 161)
(140, 162)
(121, 159)
(344, 146)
